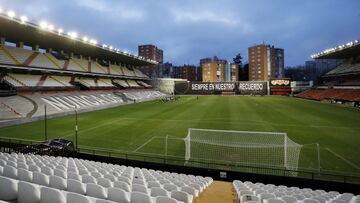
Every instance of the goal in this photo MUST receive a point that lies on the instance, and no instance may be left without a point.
(242, 147)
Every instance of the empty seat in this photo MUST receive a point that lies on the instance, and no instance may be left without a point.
(57, 182)
(118, 195)
(247, 198)
(122, 185)
(274, 200)
(151, 184)
(77, 198)
(139, 197)
(76, 186)
(28, 192)
(182, 196)
(10, 172)
(48, 171)
(170, 187)
(308, 200)
(190, 190)
(104, 182)
(96, 191)
(162, 199)
(88, 179)
(265, 196)
(74, 176)
(60, 173)
(157, 191)
(289, 199)
(51, 195)
(40, 179)
(25, 175)
(139, 188)
(9, 189)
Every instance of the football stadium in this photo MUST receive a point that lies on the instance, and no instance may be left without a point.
(81, 122)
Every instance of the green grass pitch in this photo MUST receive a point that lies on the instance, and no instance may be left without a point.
(141, 127)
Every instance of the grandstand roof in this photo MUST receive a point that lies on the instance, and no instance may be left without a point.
(15, 31)
(348, 50)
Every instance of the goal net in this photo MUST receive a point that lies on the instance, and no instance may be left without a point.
(242, 147)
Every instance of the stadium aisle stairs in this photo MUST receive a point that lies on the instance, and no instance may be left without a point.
(217, 192)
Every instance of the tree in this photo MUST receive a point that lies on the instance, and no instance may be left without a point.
(238, 59)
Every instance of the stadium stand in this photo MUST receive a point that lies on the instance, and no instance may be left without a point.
(132, 83)
(115, 70)
(338, 94)
(58, 103)
(97, 68)
(128, 72)
(121, 83)
(35, 178)
(259, 192)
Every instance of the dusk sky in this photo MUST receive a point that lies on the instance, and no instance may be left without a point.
(188, 30)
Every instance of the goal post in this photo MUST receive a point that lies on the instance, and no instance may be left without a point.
(242, 147)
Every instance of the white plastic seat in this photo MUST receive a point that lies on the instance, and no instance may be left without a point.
(8, 189)
(299, 197)
(88, 179)
(47, 171)
(247, 198)
(151, 184)
(264, 196)
(118, 195)
(34, 168)
(10, 172)
(103, 201)
(51, 195)
(139, 197)
(97, 191)
(122, 185)
(76, 186)
(320, 199)
(74, 176)
(170, 187)
(157, 191)
(308, 200)
(25, 175)
(28, 192)
(162, 199)
(77, 198)
(139, 188)
(96, 175)
(110, 177)
(60, 173)
(273, 200)
(138, 181)
(245, 192)
(182, 196)
(57, 182)
(190, 190)
(289, 199)
(40, 179)
(104, 182)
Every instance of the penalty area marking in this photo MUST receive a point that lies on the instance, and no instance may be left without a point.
(147, 142)
(342, 158)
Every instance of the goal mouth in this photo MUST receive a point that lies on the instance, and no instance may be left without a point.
(272, 149)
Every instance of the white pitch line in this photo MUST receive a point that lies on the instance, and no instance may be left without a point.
(347, 161)
(147, 142)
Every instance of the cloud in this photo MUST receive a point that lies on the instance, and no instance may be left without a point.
(203, 16)
(117, 9)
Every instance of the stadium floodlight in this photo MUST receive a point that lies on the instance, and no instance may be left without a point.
(104, 46)
(73, 35)
(1, 10)
(11, 14)
(23, 19)
(50, 27)
(60, 31)
(111, 48)
(85, 39)
(43, 25)
(92, 41)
